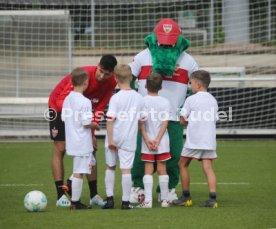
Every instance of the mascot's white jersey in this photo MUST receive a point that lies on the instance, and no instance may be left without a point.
(174, 88)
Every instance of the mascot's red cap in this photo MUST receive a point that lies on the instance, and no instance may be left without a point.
(167, 31)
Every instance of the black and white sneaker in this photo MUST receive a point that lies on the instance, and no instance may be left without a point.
(109, 203)
(126, 205)
(77, 205)
(210, 203)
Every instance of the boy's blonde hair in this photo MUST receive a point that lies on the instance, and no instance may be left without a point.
(202, 76)
(123, 73)
(78, 76)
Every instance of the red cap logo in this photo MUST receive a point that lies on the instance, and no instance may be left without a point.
(167, 28)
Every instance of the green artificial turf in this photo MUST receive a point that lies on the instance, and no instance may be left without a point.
(246, 191)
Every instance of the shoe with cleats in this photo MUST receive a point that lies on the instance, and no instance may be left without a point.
(165, 204)
(63, 201)
(109, 203)
(210, 203)
(97, 200)
(77, 205)
(127, 206)
(184, 201)
(171, 196)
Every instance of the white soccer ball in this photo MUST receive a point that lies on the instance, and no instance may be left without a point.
(35, 201)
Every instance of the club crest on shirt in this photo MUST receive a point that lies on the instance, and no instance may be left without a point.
(95, 100)
(167, 28)
(54, 132)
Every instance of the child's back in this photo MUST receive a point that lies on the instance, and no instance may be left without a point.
(201, 131)
(157, 110)
(125, 107)
(75, 109)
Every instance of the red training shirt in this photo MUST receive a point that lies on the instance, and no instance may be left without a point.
(98, 92)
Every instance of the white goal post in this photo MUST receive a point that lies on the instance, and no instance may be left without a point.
(32, 43)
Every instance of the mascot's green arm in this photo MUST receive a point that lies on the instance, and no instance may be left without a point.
(132, 83)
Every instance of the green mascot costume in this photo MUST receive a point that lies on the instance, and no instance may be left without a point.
(165, 54)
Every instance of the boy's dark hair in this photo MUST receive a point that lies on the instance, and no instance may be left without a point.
(202, 76)
(154, 82)
(78, 76)
(108, 62)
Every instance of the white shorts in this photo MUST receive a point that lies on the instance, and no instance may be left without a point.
(83, 164)
(199, 154)
(126, 158)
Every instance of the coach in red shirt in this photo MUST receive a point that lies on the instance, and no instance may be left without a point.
(99, 91)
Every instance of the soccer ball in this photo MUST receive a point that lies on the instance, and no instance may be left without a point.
(141, 197)
(35, 201)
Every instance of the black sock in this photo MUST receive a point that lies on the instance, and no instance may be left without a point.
(59, 185)
(93, 188)
(213, 195)
(186, 193)
(69, 184)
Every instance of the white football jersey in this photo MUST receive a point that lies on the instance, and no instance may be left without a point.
(201, 110)
(125, 109)
(76, 113)
(174, 88)
(156, 110)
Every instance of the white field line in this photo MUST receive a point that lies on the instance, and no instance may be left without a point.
(20, 185)
(222, 183)
(193, 183)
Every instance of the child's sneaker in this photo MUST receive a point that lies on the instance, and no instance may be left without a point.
(165, 204)
(145, 205)
(210, 203)
(97, 200)
(126, 205)
(109, 203)
(172, 196)
(63, 201)
(184, 201)
(77, 205)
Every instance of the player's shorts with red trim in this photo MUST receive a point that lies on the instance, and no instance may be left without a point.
(155, 157)
(57, 128)
(199, 154)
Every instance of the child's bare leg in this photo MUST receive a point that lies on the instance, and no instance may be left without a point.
(163, 180)
(184, 172)
(185, 199)
(210, 175)
(211, 178)
(148, 181)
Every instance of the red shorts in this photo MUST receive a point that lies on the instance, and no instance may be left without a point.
(155, 157)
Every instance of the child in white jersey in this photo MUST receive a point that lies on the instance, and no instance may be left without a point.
(155, 142)
(77, 115)
(122, 126)
(200, 113)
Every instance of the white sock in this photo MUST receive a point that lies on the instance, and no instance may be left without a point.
(76, 188)
(164, 186)
(148, 184)
(71, 177)
(126, 186)
(109, 182)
